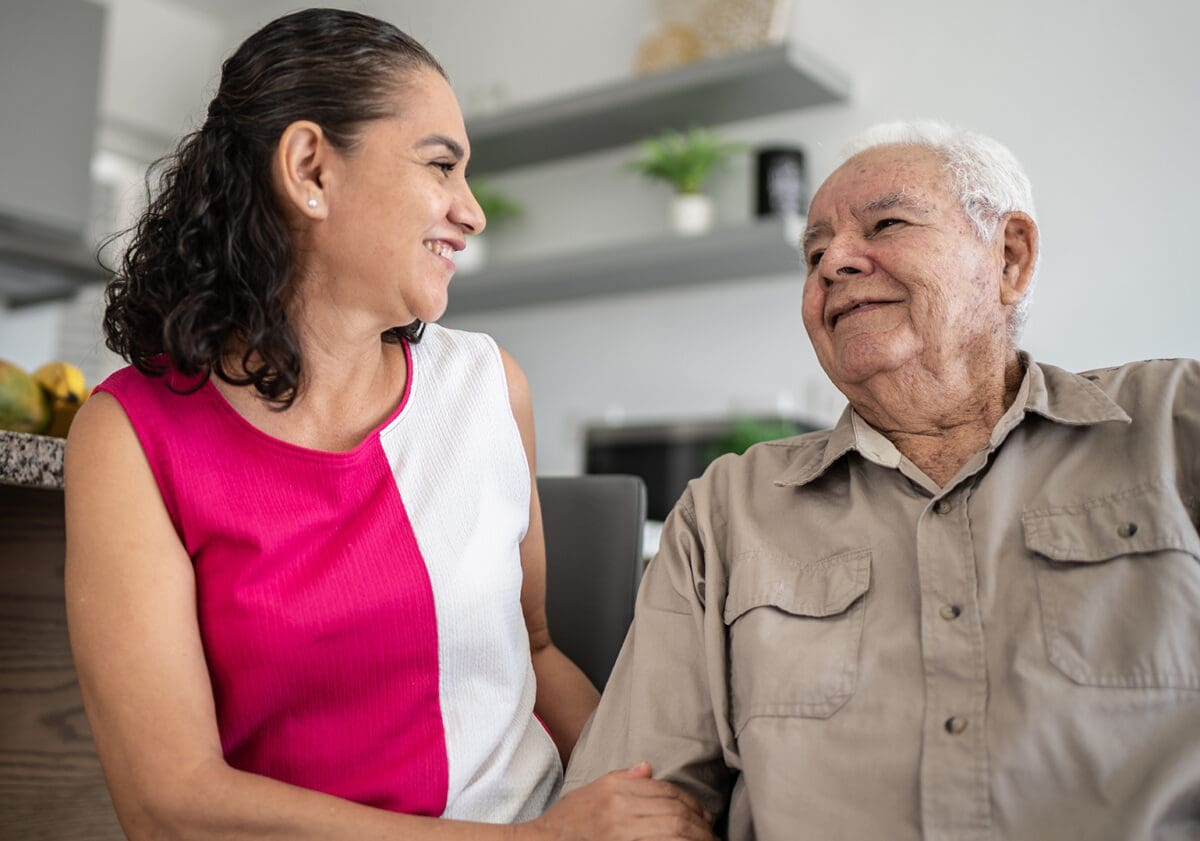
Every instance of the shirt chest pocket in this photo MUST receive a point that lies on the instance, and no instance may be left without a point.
(794, 629)
(1118, 578)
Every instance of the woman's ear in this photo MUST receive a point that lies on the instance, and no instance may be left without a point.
(302, 161)
(1020, 255)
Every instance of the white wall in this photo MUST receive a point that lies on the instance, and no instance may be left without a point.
(29, 335)
(162, 65)
(1099, 101)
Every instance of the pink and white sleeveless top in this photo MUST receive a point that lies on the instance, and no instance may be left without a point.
(361, 611)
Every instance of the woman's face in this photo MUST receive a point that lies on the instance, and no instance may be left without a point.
(398, 208)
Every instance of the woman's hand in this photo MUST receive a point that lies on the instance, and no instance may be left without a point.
(624, 806)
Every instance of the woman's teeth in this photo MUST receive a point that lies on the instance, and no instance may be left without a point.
(441, 249)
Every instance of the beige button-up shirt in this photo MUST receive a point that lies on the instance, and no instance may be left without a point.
(829, 646)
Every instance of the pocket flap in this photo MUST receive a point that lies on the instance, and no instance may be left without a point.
(803, 587)
(1139, 520)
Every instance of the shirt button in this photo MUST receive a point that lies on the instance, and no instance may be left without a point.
(1127, 529)
(950, 612)
(955, 725)
(943, 506)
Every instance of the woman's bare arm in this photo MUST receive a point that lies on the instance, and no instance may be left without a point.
(565, 697)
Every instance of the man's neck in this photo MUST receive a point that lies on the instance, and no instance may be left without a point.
(940, 421)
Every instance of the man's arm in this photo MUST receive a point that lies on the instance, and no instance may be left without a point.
(665, 701)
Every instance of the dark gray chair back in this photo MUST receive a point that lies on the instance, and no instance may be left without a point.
(593, 527)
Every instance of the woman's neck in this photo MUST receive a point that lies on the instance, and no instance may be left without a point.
(344, 392)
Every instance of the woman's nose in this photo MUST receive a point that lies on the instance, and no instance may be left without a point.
(466, 212)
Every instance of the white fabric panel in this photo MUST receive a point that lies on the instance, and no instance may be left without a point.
(456, 453)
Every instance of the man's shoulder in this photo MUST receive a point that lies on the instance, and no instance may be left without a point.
(1143, 389)
(762, 466)
(1159, 380)
(769, 455)
(1144, 369)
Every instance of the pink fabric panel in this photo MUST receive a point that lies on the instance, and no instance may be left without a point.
(314, 603)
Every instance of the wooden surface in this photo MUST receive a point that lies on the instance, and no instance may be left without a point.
(51, 786)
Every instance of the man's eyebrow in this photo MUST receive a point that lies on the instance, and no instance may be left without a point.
(454, 146)
(812, 232)
(884, 203)
(904, 200)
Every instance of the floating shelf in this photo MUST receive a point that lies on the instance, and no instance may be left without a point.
(36, 267)
(739, 86)
(760, 248)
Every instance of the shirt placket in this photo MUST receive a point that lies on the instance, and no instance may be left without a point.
(955, 801)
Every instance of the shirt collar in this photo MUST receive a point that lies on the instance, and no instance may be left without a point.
(1055, 394)
(1066, 398)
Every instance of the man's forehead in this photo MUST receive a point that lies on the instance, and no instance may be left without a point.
(885, 177)
(910, 178)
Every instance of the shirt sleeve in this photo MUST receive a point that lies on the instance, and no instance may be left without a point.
(658, 705)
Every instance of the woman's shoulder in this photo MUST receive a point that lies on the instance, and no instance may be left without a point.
(101, 442)
(447, 349)
(161, 380)
(450, 340)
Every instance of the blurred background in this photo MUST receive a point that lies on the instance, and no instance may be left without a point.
(653, 334)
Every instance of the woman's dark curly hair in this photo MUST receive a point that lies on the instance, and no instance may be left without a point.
(208, 266)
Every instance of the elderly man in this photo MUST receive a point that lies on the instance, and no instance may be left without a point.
(971, 610)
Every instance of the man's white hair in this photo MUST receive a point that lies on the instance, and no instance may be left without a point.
(987, 176)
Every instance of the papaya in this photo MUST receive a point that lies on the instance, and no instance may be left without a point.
(24, 404)
(65, 386)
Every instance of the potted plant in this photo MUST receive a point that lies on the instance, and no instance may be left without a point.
(685, 160)
(498, 208)
(746, 432)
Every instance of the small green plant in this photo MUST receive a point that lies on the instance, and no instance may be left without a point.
(747, 432)
(497, 206)
(684, 160)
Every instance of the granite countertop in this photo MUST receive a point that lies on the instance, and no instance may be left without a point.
(31, 461)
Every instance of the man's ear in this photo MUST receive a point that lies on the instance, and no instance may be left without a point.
(1020, 238)
(302, 168)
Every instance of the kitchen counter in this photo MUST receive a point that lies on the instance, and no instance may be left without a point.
(31, 461)
(50, 779)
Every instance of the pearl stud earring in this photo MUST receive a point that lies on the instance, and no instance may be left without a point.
(312, 203)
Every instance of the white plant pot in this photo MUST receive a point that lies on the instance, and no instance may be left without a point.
(692, 214)
(473, 257)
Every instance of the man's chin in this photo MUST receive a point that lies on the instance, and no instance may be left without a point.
(857, 366)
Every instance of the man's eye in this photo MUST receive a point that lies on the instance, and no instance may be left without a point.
(886, 223)
(446, 167)
(815, 258)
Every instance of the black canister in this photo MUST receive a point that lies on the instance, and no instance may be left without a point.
(782, 182)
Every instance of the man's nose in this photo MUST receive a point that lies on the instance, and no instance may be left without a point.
(843, 260)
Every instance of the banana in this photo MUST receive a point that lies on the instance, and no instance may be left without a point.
(64, 384)
(24, 404)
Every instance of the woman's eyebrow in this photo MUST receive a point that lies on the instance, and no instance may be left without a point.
(454, 146)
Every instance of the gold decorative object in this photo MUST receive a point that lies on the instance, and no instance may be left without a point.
(672, 46)
(728, 26)
(689, 30)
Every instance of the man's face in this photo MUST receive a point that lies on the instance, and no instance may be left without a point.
(898, 281)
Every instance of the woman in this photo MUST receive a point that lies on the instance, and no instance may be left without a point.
(305, 565)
